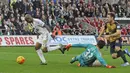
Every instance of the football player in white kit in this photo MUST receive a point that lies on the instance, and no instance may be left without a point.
(44, 35)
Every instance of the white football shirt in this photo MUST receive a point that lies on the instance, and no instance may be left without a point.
(38, 26)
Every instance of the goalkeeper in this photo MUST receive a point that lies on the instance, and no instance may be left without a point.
(91, 56)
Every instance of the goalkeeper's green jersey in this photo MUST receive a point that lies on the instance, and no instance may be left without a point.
(90, 54)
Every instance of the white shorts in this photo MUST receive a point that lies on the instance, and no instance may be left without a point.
(43, 39)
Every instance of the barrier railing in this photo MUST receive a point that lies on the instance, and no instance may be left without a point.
(30, 40)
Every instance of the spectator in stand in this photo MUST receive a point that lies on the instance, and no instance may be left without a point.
(103, 12)
(124, 33)
(128, 29)
(53, 21)
(128, 9)
(57, 11)
(70, 24)
(57, 30)
(66, 29)
(18, 26)
(123, 6)
(49, 21)
(107, 6)
(43, 17)
(1, 24)
(120, 11)
(63, 11)
(7, 29)
(61, 21)
(97, 11)
(31, 11)
(36, 4)
(1, 18)
(37, 14)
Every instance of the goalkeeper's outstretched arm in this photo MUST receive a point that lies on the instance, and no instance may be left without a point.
(102, 61)
(80, 45)
(76, 45)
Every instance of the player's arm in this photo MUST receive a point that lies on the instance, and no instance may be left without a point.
(44, 25)
(48, 28)
(76, 45)
(80, 45)
(102, 61)
(102, 31)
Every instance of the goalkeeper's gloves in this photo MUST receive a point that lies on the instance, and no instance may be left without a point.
(108, 66)
(78, 64)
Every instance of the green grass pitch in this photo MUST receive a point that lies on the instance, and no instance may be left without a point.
(57, 62)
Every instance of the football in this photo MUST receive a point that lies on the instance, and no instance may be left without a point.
(20, 60)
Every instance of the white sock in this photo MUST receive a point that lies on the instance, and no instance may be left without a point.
(41, 56)
(53, 48)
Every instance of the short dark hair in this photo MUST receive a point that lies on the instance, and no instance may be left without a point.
(101, 44)
(112, 14)
(28, 16)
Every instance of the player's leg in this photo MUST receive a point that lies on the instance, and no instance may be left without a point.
(39, 51)
(114, 53)
(44, 46)
(112, 50)
(78, 58)
(126, 51)
(120, 53)
(107, 44)
(47, 48)
(51, 48)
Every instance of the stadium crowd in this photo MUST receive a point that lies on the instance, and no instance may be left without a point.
(71, 17)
